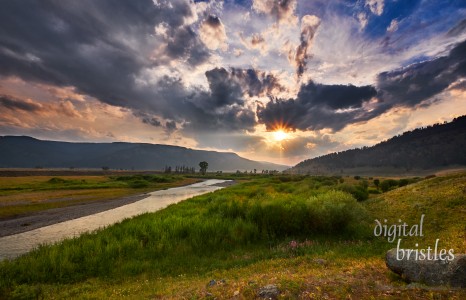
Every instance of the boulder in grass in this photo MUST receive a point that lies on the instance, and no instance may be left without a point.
(269, 292)
(429, 272)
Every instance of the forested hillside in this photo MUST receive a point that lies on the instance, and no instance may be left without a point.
(434, 147)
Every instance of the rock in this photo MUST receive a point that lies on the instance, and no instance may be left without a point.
(269, 292)
(236, 293)
(429, 272)
(212, 282)
(320, 261)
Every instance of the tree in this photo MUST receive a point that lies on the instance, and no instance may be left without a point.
(376, 183)
(203, 165)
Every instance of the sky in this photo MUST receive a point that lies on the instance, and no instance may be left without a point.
(278, 81)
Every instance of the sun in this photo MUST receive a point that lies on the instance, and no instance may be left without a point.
(280, 135)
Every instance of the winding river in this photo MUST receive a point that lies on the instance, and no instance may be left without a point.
(15, 245)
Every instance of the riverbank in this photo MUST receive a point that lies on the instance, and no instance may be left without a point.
(30, 221)
(14, 225)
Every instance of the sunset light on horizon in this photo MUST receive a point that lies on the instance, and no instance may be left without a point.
(220, 75)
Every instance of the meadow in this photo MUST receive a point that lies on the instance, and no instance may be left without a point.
(29, 194)
(312, 236)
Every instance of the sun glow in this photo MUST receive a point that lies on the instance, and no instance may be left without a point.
(280, 135)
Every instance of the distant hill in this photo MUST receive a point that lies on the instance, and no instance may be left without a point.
(28, 152)
(436, 147)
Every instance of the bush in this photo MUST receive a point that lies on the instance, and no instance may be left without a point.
(137, 184)
(357, 191)
(56, 180)
(334, 212)
(403, 182)
(373, 191)
(388, 184)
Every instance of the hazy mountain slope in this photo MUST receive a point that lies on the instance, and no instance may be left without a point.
(434, 147)
(27, 152)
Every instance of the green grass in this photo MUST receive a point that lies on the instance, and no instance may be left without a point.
(22, 195)
(270, 229)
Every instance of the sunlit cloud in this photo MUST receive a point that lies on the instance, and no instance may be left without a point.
(271, 80)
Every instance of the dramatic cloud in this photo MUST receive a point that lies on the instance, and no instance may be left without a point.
(8, 102)
(419, 82)
(100, 48)
(220, 107)
(257, 83)
(376, 6)
(212, 34)
(256, 41)
(281, 10)
(318, 106)
(26, 106)
(220, 74)
(309, 25)
(336, 106)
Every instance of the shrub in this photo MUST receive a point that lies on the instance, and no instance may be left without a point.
(357, 191)
(403, 182)
(373, 191)
(333, 211)
(56, 180)
(136, 184)
(388, 184)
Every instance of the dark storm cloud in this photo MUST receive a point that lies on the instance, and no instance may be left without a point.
(99, 47)
(320, 106)
(336, 96)
(417, 83)
(12, 103)
(316, 107)
(171, 125)
(213, 21)
(185, 44)
(254, 82)
(223, 90)
(216, 109)
(147, 118)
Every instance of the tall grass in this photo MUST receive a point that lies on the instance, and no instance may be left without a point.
(197, 235)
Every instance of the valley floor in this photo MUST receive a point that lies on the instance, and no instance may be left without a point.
(231, 243)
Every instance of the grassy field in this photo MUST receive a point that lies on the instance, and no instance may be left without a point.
(27, 194)
(308, 235)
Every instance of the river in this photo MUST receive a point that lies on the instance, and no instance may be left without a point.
(15, 245)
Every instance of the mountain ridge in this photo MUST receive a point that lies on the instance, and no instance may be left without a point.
(437, 146)
(29, 152)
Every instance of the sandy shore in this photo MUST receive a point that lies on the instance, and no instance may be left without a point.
(56, 215)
